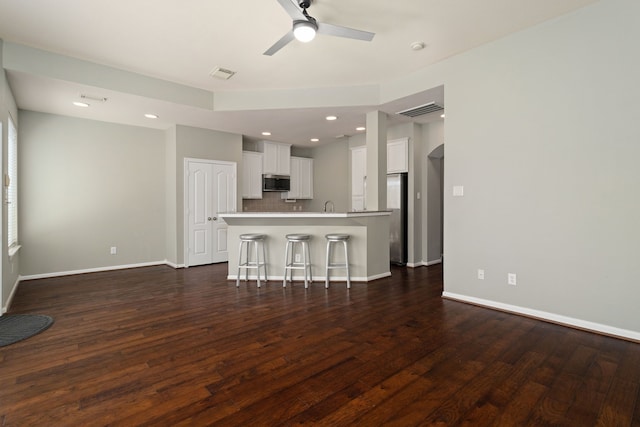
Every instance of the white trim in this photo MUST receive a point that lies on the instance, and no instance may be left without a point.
(14, 250)
(550, 317)
(93, 270)
(11, 295)
(174, 265)
(377, 276)
(424, 263)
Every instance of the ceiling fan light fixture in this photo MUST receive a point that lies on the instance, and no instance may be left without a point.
(304, 31)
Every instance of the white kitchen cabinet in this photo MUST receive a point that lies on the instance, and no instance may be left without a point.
(358, 177)
(277, 158)
(301, 179)
(306, 178)
(398, 155)
(251, 175)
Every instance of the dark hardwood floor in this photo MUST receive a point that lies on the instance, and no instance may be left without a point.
(157, 346)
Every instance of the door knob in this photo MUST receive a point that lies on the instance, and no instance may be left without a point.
(209, 219)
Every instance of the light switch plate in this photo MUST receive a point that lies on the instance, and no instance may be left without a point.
(458, 190)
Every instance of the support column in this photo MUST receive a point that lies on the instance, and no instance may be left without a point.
(376, 195)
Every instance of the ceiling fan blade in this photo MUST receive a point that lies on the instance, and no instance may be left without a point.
(292, 9)
(350, 33)
(280, 44)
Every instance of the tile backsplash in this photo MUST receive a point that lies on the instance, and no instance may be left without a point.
(273, 202)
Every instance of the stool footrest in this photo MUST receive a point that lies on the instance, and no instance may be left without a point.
(337, 266)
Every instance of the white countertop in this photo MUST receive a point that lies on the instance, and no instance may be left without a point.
(304, 214)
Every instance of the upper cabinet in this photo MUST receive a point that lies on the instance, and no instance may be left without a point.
(251, 175)
(398, 155)
(277, 158)
(301, 179)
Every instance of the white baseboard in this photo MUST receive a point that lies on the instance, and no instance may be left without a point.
(5, 308)
(549, 317)
(173, 265)
(426, 263)
(93, 270)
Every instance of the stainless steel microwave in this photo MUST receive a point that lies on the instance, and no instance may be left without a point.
(276, 183)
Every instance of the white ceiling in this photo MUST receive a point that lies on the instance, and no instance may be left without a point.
(183, 41)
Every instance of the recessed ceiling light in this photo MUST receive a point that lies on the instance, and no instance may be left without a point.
(361, 128)
(80, 104)
(151, 116)
(442, 115)
(331, 118)
(417, 45)
(314, 140)
(266, 133)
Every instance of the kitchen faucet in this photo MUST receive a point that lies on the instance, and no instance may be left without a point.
(326, 203)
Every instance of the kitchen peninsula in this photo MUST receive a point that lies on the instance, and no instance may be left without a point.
(368, 246)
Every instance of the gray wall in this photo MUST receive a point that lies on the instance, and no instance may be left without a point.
(432, 168)
(171, 196)
(86, 186)
(542, 131)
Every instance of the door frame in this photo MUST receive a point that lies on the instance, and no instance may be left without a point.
(185, 199)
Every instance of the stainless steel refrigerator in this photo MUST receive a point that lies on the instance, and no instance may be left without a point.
(397, 204)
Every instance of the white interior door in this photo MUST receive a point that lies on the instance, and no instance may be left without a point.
(224, 200)
(211, 189)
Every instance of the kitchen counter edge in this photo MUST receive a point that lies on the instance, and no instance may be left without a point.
(304, 214)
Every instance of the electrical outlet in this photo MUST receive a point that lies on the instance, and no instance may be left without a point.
(297, 257)
(511, 279)
(114, 250)
(480, 274)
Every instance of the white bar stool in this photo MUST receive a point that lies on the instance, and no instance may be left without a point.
(290, 264)
(331, 240)
(251, 242)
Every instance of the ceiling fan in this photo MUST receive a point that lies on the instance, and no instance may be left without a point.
(305, 27)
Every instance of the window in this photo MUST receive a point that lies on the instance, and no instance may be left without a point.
(11, 184)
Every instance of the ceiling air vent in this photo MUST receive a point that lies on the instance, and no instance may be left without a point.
(421, 110)
(93, 98)
(222, 73)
